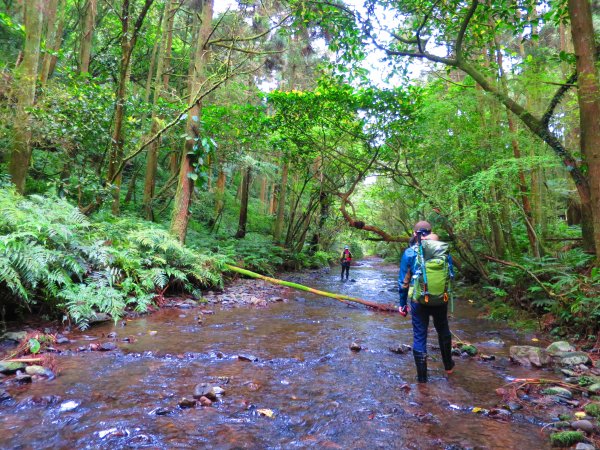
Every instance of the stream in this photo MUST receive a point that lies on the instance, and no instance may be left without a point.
(321, 394)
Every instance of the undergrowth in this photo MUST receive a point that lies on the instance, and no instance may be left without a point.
(566, 298)
(52, 255)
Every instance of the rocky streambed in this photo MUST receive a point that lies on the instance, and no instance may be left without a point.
(259, 366)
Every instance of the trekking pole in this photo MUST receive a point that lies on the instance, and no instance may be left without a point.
(422, 258)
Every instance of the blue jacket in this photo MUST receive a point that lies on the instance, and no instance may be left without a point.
(408, 266)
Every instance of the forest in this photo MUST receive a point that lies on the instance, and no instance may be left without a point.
(148, 144)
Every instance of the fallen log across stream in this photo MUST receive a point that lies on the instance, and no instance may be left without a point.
(338, 297)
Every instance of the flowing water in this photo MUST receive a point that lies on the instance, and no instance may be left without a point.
(322, 394)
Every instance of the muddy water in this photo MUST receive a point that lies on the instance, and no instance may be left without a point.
(322, 394)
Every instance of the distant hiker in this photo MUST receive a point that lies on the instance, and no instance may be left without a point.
(345, 260)
(425, 274)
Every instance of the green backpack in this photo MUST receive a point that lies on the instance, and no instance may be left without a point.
(435, 256)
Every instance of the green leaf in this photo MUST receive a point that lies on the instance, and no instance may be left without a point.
(34, 345)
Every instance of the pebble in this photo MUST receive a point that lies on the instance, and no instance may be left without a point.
(584, 446)
(355, 347)
(583, 425)
(210, 392)
(107, 346)
(186, 403)
(401, 349)
(161, 411)
(111, 335)
(205, 401)
(250, 358)
(62, 340)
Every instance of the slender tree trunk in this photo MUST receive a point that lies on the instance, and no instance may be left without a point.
(220, 191)
(198, 63)
(588, 90)
(24, 86)
(87, 34)
(117, 142)
(159, 86)
(263, 194)
(52, 13)
(272, 200)
(241, 231)
(278, 230)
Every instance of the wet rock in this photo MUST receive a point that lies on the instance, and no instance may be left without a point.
(528, 355)
(568, 373)
(595, 388)
(584, 446)
(204, 401)
(69, 405)
(250, 358)
(487, 357)
(23, 378)
(4, 396)
(38, 370)
(583, 425)
(112, 335)
(99, 317)
(107, 346)
(559, 347)
(185, 403)
(401, 349)
(355, 347)
(62, 339)
(574, 358)
(208, 391)
(557, 390)
(10, 367)
(514, 406)
(470, 350)
(16, 336)
(161, 412)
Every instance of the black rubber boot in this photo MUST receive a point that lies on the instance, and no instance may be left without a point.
(421, 363)
(446, 350)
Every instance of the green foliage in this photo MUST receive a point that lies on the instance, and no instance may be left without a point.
(592, 409)
(49, 251)
(566, 438)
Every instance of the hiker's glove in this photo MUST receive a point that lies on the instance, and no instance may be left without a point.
(403, 310)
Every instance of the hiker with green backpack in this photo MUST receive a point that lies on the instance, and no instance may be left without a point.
(426, 272)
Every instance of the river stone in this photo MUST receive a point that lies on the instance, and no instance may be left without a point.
(595, 388)
(186, 403)
(17, 336)
(205, 401)
(559, 347)
(584, 446)
(355, 347)
(10, 367)
(210, 392)
(583, 425)
(99, 317)
(574, 358)
(4, 396)
(23, 378)
(250, 358)
(107, 346)
(560, 391)
(36, 370)
(528, 355)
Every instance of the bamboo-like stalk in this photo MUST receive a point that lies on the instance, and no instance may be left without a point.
(338, 297)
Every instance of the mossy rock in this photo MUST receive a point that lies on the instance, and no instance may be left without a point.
(592, 409)
(470, 350)
(10, 367)
(566, 438)
(564, 417)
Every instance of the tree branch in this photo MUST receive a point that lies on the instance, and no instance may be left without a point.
(562, 90)
(463, 29)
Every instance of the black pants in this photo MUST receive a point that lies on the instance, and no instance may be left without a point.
(345, 267)
(420, 322)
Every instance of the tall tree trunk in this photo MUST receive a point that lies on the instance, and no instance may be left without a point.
(198, 63)
(588, 90)
(24, 87)
(263, 194)
(117, 142)
(272, 200)
(53, 15)
(220, 191)
(241, 231)
(278, 229)
(160, 84)
(87, 34)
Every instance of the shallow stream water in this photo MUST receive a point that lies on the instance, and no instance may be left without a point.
(321, 393)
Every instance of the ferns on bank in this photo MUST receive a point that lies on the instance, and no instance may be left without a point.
(49, 251)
